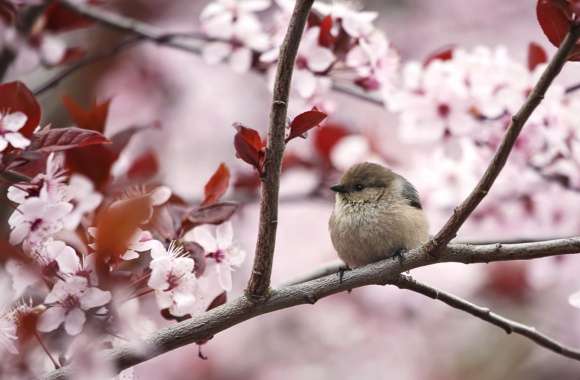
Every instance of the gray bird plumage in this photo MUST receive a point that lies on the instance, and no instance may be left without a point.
(377, 213)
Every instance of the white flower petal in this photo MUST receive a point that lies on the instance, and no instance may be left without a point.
(574, 299)
(17, 140)
(224, 277)
(216, 52)
(13, 121)
(74, 321)
(224, 235)
(50, 319)
(94, 297)
(203, 237)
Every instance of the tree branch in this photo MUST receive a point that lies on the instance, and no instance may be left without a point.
(86, 61)
(508, 325)
(260, 278)
(383, 272)
(462, 212)
(149, 32)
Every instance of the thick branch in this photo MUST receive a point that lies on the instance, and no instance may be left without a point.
(262, 269)
(384, 272)
(508, 325)
(462, 212)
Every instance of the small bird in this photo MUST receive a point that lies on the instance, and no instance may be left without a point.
(377, 214)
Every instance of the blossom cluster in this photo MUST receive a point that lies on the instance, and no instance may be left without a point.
(84, 246)
(339, 43)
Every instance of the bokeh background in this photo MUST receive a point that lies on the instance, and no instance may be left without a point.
(373, 332)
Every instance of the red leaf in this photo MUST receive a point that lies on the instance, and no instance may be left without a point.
(94, 118)
(59, 18)
(218, 301)
(7, 12)
(555, 18)
(15, 96)
(217, 185)
(368, 83)
(536, 55)
(145, 166)
(326, 38)
(304, 122)
(95, 162)
(72, 54)
(59, 139)
(214, 214)
(326, 138)
(249, 146)
(444, 53)
(116, 225)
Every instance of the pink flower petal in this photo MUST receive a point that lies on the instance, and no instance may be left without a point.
(51, 319)
(74, 321)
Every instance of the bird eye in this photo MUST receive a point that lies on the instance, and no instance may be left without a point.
(358, 187)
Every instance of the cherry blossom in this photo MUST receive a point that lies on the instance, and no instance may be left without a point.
(10, 124)
(55, 256)
(356, 24)
(237, 30)
(69, 299)
(143, 241)
(81, 193)
(36, 219)
(221, 253)
(173, 280)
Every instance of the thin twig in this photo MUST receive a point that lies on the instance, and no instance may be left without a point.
(262, 268)
(86, 61)
(181, 41)
(462, 212)
(508, 325)
(205, 325)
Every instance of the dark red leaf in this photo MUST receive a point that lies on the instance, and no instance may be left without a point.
(444, 53)
(58, 139)
(94, 118)
(217, 185)
(249, 146)
(368, 83)
(198, 255)
(59, 18)
(326, 38)
(145, 166)
(326, 138)
(304, 122)
(214, 214)
(555, 18)
(536, 55)
(218, 301)
(15, 96)
(509, 279)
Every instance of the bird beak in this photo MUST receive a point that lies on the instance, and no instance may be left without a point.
(339, 189)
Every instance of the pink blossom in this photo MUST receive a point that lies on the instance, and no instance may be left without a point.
(355, 23)
(173, 280)
(55, 256)
(69, 299)
(223, 257)
(36, 219)
(10, 124)
(143, 241)
(238, 31)
(81, 193)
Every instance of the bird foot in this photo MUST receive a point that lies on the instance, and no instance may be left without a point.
(399, 254)
(341, 271)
